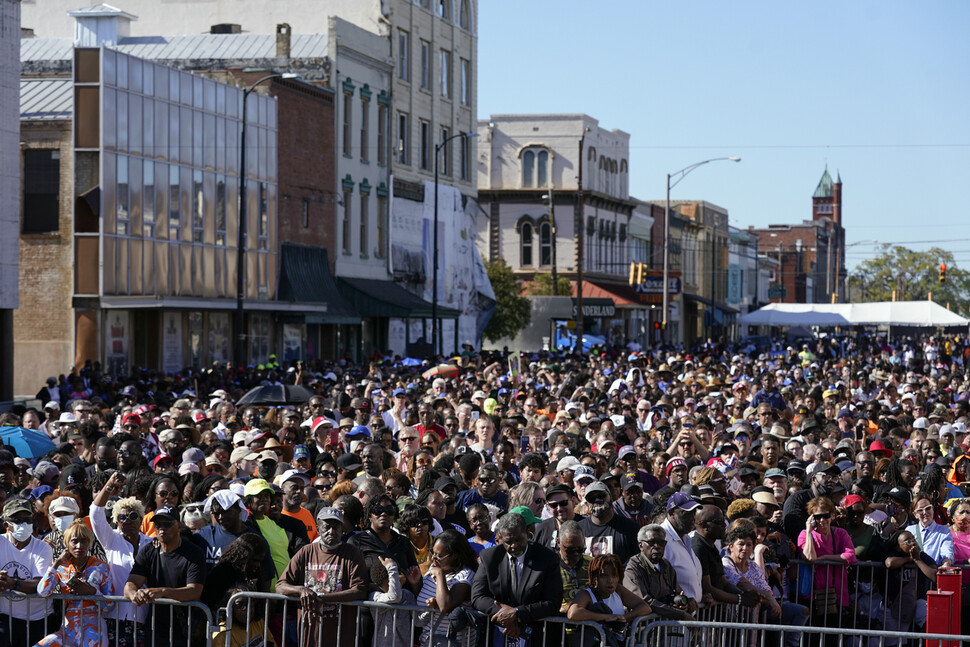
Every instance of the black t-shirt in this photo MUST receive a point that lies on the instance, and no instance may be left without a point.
(548, 530)
(458, 518)
(618, 536)
(174, 569)
(710, 560)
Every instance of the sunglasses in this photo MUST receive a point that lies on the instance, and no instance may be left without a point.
(596, 498)
(558, 504)
(166, 493)
(538, 501)
(131, 516)
(407, 439)
(386, 509)
(822, 516)
(487, 480)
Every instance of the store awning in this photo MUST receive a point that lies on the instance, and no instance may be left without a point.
(376, 298)
(624, 296)
(305, 279)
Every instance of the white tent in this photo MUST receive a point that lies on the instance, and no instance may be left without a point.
(892, 313)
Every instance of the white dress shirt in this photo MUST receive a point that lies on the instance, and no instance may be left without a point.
(681, 556)
(120, 558)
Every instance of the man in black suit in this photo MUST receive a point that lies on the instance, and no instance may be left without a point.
(518, 582)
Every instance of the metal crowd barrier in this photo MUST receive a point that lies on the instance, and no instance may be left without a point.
(78, 617)
(366, 624)
(648, 632)
(867, 586)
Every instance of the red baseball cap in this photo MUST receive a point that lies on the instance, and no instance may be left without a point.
(851, 500)
(131, 417)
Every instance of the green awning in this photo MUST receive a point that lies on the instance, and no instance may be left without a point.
(375, 298)
(305, 278)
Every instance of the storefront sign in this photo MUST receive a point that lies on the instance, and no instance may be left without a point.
(596, 308)
(655, 285)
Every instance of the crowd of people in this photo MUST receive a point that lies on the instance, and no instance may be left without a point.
(822, 484)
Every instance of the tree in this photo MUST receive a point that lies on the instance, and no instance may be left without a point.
(542, 285)
(513, 312)
(913, 276)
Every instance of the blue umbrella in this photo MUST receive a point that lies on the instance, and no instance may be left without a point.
(28, 443)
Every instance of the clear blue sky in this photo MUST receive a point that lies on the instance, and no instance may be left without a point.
(880, 91)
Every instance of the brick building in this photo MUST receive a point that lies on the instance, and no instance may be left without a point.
(811, 254)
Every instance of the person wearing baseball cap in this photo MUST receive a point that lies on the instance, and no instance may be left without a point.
(561, 501)
(631, 504)
(605, 531)
(681, 510)
(335, 572)
(293, 483)
(258, 497)
(822, 482)
(181, 572)
(26, 559)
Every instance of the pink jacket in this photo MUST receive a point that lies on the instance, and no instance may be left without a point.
(838, 544)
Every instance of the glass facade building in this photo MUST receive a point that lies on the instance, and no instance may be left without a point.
(157, 179)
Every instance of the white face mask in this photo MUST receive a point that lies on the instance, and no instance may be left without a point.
(22, 531)
(61, 523)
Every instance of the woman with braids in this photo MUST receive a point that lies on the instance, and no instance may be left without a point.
(899, 473)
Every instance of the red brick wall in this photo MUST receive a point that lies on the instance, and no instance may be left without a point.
(306, 160)
(306, 165)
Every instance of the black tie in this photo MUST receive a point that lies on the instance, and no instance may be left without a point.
(515, 574)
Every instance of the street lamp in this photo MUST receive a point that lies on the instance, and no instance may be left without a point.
(434, 262)
(679, 175)
(238, 348)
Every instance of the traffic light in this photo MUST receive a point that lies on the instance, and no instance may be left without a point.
(637, 270)
(656, 325)
(942, 273)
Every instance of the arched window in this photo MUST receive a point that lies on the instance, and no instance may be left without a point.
(525, 244)
(542, 170)
(535, 168)
(464, 15)
(528, 166)
(545, 244)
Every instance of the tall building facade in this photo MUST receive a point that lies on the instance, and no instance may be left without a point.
(529, 187)
(425, 53)
(810, 255)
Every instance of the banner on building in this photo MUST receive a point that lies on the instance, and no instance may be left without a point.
(116, 341)
(172, 361)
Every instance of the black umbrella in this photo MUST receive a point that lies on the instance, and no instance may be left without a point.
(270, 395)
